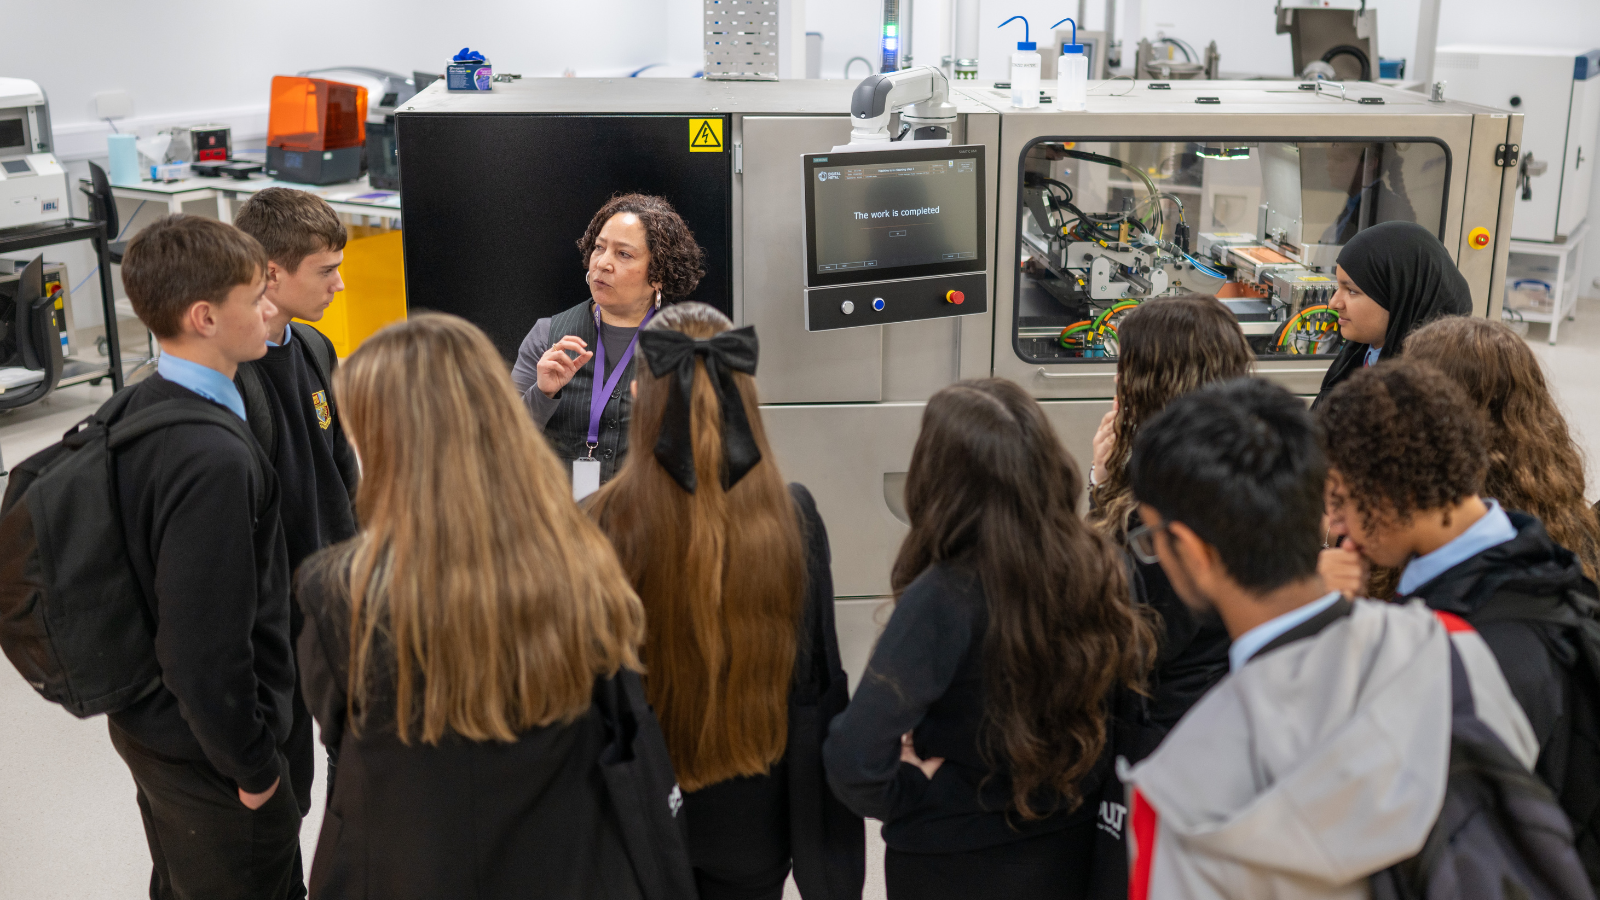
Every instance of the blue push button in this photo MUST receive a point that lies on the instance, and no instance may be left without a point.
(877, 303)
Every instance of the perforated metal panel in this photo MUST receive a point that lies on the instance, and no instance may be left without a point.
(742, 39)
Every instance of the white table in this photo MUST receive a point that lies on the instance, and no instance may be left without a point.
(351, 198)
(1565, 287)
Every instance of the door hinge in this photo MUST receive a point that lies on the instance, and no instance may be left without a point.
(738, 158)
(1507, 155)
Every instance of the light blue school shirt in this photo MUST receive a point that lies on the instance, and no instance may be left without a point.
(1251, 642)
(1492, 530)
(203, 380)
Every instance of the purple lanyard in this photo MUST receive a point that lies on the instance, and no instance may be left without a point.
(598, 399)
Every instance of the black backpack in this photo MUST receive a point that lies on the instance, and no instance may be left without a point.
(1575, 747)
(73, 619)
(253, 387)
(1500, 835)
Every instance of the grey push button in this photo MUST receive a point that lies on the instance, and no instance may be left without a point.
(847, 307)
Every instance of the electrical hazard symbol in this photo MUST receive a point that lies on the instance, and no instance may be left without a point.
(705, 135)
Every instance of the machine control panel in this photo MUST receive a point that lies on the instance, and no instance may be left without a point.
(880, 303)
(894, 236)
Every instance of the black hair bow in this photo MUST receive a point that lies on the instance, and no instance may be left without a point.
(668, 352)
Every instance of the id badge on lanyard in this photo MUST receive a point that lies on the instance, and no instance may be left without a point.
(586, 471)
(585, 477)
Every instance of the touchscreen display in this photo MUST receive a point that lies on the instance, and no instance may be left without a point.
(880, 215)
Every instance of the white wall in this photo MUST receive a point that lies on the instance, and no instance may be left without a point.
(203, 61)
(190, 60)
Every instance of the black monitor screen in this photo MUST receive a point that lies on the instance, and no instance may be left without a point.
(884, 214)
(11, 133)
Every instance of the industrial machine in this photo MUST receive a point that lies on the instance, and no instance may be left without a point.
(33, 185)
(386, 91)
(1059, 223)
(1331, 39)
(1557, 91)
(316, 130)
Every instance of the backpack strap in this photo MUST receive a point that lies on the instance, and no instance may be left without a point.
(252, 387)
(319, 349)
(183, 412)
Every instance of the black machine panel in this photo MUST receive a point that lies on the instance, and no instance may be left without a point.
(494, 206)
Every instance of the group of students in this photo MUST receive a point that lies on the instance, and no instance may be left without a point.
(1188, 664)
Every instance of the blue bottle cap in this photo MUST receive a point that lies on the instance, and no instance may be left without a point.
(1071, 48)
(1027, 45)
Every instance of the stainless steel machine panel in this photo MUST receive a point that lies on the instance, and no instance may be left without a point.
(853, 457)
(796, 365)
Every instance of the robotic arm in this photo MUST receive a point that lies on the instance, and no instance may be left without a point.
(922, 95)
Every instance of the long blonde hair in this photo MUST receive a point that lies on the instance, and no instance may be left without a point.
(721, 574)
(498, 601)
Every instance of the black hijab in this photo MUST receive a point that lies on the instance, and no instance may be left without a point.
(1405, 270)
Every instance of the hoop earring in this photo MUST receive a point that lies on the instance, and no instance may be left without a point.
(658, 299)
(586, 277)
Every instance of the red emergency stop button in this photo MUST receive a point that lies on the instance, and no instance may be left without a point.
(955, 297)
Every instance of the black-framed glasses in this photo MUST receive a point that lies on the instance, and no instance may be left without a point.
(1142, 541)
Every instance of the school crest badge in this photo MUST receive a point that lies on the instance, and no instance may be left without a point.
(324, 414)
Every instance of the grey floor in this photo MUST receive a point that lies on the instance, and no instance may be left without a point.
(68, 825)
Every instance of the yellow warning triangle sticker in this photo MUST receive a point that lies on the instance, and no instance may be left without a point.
(705, 135)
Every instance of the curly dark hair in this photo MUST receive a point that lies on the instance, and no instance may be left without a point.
(1405, 438)
(677, 263)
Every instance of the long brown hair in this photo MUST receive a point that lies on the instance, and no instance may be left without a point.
(475, 581)
(720, 572)
(991, 488)
(1168, 347)
(1534, 464)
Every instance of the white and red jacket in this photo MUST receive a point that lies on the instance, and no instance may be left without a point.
(1316, 764)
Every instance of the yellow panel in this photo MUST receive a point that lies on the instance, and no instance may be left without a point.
(374, 292)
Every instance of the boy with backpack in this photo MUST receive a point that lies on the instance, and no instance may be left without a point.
(288, 396)
(1319, 766)
(200, 517)
(1408, 451)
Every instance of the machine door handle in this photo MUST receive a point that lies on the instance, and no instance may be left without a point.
(1046, 373)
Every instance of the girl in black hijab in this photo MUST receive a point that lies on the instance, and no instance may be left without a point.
(1393, 278)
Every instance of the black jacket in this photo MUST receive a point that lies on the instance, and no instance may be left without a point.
(926, 676)
(216, 578)
(316, 466)
(1194, 647)
(536, 817)
(1536, 658)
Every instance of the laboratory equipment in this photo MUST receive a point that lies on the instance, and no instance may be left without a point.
(386, 91)
(1157, 60)
(316, 130)
(33, 185)
(756, 40)
(1557, 90)
(1072, 78)
(1336, 39)
(1024, 69)
(489, 236)
(210, 143)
